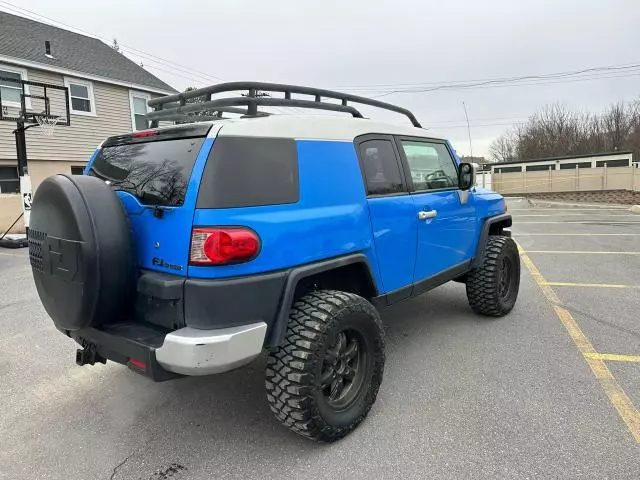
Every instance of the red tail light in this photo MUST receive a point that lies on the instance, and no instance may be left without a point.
(221, 246)
(144, 133)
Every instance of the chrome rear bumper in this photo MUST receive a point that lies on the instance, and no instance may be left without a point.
(191, 351)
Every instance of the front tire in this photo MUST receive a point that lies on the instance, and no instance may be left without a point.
(325, 378)
(492, 288)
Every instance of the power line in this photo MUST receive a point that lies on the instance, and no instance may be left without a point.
(141, 53)
(483, 85)
(606, 68)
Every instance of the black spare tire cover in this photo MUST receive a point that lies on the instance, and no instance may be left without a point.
(80, 251)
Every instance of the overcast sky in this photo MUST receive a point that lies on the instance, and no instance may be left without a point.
(372, 47)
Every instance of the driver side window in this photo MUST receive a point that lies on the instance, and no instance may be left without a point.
(430, 164)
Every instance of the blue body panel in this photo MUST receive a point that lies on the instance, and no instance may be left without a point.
(394, 226)
(330, 219)
(448, 239)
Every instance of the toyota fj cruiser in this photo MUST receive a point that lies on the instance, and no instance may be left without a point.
(190, 249)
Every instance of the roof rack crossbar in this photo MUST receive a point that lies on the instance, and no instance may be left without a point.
(256, 97)
(252, 104)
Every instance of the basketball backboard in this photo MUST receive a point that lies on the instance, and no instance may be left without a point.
(23, 101)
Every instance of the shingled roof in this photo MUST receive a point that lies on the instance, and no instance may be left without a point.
(23, 39)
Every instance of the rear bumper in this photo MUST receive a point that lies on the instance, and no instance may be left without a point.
(162, 355)
(190, 351)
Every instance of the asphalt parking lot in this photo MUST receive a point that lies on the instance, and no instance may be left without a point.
(551, 391)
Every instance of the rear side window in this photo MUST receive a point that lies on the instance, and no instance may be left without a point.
(381, 169)
(250, 172)
(157, 173)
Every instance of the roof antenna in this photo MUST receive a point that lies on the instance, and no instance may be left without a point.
(468, 129)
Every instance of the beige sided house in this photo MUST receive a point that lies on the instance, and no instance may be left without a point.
(108, 94)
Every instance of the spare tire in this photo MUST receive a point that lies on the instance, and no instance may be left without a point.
(80, 251)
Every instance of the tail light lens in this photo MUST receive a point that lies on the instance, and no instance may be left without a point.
(144, 133)
(222, 246)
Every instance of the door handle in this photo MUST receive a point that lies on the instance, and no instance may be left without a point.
(422, 215)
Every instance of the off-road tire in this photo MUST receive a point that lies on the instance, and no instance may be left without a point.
(294, 370)
(484, 291)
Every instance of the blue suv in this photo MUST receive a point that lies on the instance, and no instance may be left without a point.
(191, 248)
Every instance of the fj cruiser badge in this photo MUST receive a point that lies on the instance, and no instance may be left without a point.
(163, 263)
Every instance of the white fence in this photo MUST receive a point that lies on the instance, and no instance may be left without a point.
(573, 180)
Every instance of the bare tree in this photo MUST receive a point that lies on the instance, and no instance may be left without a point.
(556, 130)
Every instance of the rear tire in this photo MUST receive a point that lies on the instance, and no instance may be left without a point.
(492, 288)
(323, 381)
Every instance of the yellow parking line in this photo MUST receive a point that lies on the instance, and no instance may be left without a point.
(579, 222)
(614, 357)
(579, 234)
(10, 254)
(617, 396)
(590, 285)
(584, 252)
(554, 210)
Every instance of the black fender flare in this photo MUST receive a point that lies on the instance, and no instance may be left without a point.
(296, 274)
(489, 225)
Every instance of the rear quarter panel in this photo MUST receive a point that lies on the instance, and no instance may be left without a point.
(330, 219)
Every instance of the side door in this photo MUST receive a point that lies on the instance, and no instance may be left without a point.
(392, 213)
(446, 216)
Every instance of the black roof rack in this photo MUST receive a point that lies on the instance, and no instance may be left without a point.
(171, 107)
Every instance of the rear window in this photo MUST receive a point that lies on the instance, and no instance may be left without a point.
(157, 172)
(249, 172)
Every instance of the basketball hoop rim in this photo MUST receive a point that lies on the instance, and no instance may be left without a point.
(47, 123)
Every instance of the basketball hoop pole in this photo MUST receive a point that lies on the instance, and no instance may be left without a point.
(23, 170)
(31, 94)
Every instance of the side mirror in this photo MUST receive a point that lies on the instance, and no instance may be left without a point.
(466, 176)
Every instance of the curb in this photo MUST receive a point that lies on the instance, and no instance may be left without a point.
(604, 206)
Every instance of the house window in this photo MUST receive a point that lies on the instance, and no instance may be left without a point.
(10, 88)
(81, 98)
(75, 170)
(139, 109)
(9, 181)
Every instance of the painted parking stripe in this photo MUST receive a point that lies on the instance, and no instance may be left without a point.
(519, 215)
(568, 234)
(591, 285)
(582, 252)
(609, 209)
(617, 396)
(11, 254)
(581, 222)
(614, 357)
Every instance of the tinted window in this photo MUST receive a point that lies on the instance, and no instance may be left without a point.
(157, 173)
(250, 171)
(539, 168)
(566, 166)
(430, 164)
(612, 163)
(380, 167)
(508, 169)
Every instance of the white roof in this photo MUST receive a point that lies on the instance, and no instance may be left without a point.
(314, 127)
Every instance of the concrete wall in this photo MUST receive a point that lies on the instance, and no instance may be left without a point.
(583, 179)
